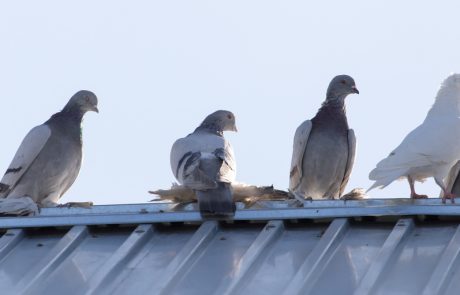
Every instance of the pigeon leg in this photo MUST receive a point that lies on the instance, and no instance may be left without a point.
(446, 194)
(51, 200)
(51, 204)
(413, 194)
(299, 198)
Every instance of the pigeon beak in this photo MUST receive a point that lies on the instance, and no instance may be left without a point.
(95, 109)
(234, 128)
(354, 89)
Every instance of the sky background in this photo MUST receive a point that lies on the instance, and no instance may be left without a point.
(159, 67)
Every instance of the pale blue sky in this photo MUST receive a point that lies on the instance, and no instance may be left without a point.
(159, 67)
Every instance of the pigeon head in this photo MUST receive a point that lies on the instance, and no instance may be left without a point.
(340, 87)
(447, 100)
(219, 121)
(452, 81)
(82, 101)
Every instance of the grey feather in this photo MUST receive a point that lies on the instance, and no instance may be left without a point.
(453, 180)
(324, 147)
(227, 164)
(217, 202)
(204, 161)
(52, 164)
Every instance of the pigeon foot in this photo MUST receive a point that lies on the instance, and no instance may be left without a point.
(448, 196)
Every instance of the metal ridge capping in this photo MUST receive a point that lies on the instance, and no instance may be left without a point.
(266, 210)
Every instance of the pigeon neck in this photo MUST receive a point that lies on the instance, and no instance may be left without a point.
(70, 115)
(332, 110)
(334, 102)
(73, 113)
(210, 128)
(446, 104)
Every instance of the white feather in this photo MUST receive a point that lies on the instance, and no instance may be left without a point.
(432, 148)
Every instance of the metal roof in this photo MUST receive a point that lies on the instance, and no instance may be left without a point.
(390, 246)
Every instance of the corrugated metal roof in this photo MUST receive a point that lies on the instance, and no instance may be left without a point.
(326, 247)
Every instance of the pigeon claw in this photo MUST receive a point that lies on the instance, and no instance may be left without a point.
(448, 196)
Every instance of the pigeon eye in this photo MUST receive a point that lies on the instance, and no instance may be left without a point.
(87, 98)
(229, 117)
(343, 82)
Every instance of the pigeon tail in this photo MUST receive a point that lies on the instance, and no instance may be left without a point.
(217, 203)
(383, 181)
(376, 184)
(383, 176)
(18, 206)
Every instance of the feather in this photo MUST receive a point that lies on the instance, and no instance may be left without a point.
(29, 149)
(298, 150)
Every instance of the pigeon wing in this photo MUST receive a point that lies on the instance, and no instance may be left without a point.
(187, 155)
(350, 159)
(300, 142)
(27, 152)
(227, 171)
(179, 153)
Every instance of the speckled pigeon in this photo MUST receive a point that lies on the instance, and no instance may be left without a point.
(431, 149)
(204, 161)
(49, 158)
(324, 147)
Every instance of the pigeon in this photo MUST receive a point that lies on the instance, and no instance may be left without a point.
(324, 147)
(49, 158)
(453, 180)
(204, 162)
(431, 149)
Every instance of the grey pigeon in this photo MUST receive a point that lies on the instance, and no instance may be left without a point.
(204, 162)
(49, 158)
(324, 147)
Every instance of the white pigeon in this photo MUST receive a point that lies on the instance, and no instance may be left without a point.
(431, 149)
(204, 162)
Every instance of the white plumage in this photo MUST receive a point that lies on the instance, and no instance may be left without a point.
(431, 149)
